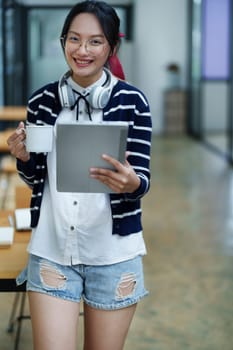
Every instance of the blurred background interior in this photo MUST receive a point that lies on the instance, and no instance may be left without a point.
(180, 53)
(180, 45)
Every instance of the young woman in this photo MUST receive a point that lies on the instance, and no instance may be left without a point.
(86, 246)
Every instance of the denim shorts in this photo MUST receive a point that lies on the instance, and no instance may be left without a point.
(107, 287)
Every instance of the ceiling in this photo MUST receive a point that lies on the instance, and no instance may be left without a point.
(32, 3)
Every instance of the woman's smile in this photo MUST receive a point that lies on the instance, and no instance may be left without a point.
(86, 49)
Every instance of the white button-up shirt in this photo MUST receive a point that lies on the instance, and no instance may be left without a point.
(76, 228)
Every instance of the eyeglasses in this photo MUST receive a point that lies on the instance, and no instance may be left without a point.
(94, 45)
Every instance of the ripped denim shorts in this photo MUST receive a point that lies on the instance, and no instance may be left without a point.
(107, 287)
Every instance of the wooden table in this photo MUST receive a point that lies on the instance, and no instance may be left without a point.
(14, 258)
(12, 261)
(13, 113)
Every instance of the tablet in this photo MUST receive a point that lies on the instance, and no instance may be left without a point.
(79, 147)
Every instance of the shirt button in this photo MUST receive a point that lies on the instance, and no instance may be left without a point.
(75, 202)
(72, 228)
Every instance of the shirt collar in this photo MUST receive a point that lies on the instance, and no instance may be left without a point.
(83, 91)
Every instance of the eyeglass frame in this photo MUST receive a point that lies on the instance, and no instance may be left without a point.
(92, 50)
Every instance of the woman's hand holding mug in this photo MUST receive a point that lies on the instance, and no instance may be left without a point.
(16, 143)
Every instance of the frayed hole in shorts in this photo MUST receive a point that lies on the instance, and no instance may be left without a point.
(51, 276)
(126, 286)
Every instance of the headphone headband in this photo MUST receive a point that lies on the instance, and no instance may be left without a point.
(98, 97)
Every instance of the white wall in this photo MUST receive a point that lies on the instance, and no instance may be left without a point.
(160, 37)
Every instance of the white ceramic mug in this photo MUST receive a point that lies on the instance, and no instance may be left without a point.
(39, 138)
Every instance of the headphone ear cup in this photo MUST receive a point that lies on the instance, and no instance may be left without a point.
(99, 97)
(70, 96)
(66, 95)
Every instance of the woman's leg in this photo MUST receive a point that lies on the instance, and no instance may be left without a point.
(105, 330)
(54, 322)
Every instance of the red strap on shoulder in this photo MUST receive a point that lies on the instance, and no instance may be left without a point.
(116, 67)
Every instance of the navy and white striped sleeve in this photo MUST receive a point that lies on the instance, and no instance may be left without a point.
(129, 104)
(139, 144)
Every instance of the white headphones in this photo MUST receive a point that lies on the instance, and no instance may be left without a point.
(97, 98)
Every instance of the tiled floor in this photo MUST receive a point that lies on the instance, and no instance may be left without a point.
(188, 228)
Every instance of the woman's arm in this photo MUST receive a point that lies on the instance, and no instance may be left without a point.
(133, 177)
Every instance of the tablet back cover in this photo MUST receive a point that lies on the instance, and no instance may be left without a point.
(80, 146)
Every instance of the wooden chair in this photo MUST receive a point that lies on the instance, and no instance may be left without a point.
(7, 169)
(8, 165)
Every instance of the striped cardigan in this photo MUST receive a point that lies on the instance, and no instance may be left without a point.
(126, 103)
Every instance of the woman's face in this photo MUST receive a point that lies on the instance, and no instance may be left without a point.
(86, 49)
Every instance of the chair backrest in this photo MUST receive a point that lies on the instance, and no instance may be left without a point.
(7, 164)
(22, 197)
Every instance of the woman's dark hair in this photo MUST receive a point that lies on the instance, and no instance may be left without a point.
(105, 14)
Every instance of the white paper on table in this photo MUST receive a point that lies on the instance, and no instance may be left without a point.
(6, 236)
